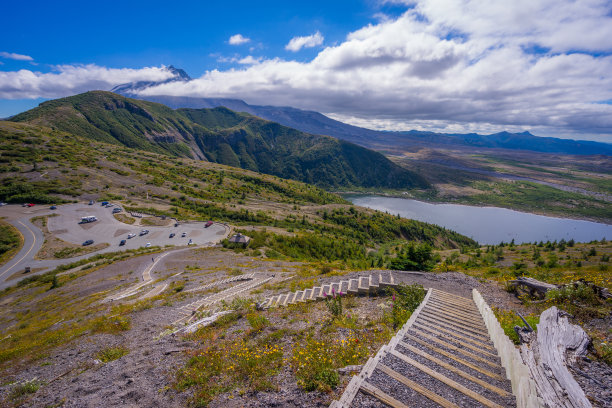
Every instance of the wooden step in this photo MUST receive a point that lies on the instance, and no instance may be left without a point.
(307, 295)
(353, 286)
(381, 396)
(372, 283)
(344, 285)
(363, 285)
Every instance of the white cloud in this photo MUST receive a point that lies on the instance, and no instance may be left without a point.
(309, 41)
(487, 65)
(238, 39)
(71, 79)
(249, 60)
(13, 56)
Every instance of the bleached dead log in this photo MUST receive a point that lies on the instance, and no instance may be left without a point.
(534, 286)
(547, 354)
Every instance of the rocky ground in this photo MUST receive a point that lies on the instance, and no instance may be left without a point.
(72, 375)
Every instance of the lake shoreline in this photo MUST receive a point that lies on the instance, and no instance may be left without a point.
(488, 224)
(409, 196)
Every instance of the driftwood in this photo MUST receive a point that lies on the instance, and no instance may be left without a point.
(547, 355)
(534, 286)
(539, 288)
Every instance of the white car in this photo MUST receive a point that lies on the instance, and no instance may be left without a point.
(148, 245)
(130, 236)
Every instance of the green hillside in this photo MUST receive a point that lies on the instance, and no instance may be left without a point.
(42, 165)
(222, 136)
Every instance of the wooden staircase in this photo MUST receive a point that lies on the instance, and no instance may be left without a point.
(356, 286)
(442, 357)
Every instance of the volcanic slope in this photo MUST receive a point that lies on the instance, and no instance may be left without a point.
(222, 136)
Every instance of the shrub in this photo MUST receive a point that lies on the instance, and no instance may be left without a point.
(257, 321)
(404, 300)
(334, 303)
(508, 319)
(315, 362)
(24, 388)
(414, 257)
(111, 353)
(111, 324)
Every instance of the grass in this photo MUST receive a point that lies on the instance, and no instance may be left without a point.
(509, 319)
(22, 389)
(244, 351)
(124, 218)
(112, 353)
(315, 362)
(11, 241)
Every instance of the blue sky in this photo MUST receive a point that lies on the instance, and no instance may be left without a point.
(445, 65)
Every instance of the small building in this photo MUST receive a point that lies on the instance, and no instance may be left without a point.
(240, 239)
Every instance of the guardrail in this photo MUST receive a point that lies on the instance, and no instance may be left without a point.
(523, 387)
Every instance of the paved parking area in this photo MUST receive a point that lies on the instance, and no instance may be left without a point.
(109, 230)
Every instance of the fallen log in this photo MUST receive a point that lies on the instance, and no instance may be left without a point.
(539, 288)
(534, 286)
(547, 354)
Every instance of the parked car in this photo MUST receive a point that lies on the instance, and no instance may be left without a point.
(148, 245)
(184, 234)
(116, 210)
(28, 205)
(176, 224)
(190, 242)
(53, 207)
(109, 205)
(144, 232)
(172, 235)
(208, 224)
(103, 203)
(91, 202)
(2, 204)
(130, 236)
(122, 243)
(88, 242)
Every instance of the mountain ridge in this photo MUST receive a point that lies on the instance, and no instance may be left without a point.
(317, 123)
(222, 136)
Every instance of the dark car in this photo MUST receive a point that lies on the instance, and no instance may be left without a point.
(208, 224)
(176, 224)
(53, 207)
(91, 202)
(88, 242)
(122, 243)
(172, 235)
(143, 232)
(184, 234)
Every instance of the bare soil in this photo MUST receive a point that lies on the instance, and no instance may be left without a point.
(72, 375)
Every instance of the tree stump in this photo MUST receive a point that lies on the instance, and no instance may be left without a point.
(547, 354)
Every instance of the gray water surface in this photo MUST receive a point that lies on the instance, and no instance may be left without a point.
(489, 225)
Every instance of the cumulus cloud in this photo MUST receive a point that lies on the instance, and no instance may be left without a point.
(13, 56)
(249, 60)
(476, 65)
(71, 79)
(238, 39)
(309, 41)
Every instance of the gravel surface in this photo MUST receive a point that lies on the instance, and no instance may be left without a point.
(144, 377)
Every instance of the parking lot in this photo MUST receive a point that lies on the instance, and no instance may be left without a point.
(65, 224)
(109, 230)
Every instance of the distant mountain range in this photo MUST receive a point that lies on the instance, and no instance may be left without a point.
(222, 136)
(319, 124)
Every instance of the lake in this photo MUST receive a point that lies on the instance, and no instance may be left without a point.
(489, 225)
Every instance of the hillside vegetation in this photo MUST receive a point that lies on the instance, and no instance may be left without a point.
(221, 136)
(50, 166)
